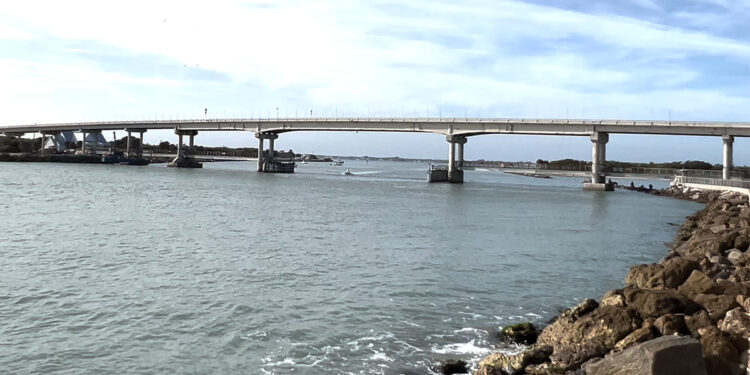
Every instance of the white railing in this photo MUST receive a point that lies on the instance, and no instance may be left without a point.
(712, 181)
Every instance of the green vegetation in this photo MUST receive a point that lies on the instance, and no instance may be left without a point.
(571, 164)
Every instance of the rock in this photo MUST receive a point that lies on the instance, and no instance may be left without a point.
(721, 356)
(591, 335)
(734, 288)
(697, 321)
(544, 369)
(718, 259)
(512, 364)
(658, 302)
(454, 366)
(521, 333)
(671, 324)
(671, 274)
(640, 335)
(734, 256)
(736, 323)
(715, 342)
(667, 355)
(698, 283)
(742, 274)
(572, 314)
(718, 228)
(613, 298)
(716, 305)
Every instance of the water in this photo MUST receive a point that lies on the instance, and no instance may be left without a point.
(113, 269)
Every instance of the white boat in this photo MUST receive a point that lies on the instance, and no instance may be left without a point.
(348, 172)
(337, 163)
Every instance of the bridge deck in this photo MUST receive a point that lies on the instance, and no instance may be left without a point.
(457, 126)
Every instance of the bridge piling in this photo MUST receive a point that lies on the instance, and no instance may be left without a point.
(269, 164)
(260, 153)
(127, 148)
(727, 159)
(455, 161)
(184, 159)
(598, 157)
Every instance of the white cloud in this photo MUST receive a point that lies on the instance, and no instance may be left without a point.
(498, 58)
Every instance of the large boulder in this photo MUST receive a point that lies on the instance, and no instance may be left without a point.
(716, 304)
(736, 323)
(671, 324)
(697, 321)
(638, 336)
(734, 288)
(591, 335)
(657, 302)
(720, 354)
(521, 333)
(613, 298)
(699, 283)
(454, 366)
(667, 355)
(513, 364)
(671, 274)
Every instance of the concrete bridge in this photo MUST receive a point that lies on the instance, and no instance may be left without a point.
(456, 131)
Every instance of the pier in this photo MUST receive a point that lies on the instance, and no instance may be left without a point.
(456, 130)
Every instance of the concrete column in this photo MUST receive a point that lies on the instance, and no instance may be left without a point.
(260, 154)
(460, 155)
(595, 160)
(140, 145)
(192, 140)
(179, 146)
(728, 143)
(598, 156)
(44, 139)
(451, 157)
(127, 148)
(270, 148)
(83, 144)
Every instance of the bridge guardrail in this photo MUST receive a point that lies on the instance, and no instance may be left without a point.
(712, 181)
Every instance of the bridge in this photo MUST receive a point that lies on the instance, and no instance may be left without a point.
(456, 131)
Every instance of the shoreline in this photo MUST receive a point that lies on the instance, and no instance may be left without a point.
(694, 303)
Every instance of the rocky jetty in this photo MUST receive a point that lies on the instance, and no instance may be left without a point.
(687, 314)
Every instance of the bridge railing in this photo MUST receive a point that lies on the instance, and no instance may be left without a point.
(712, 181)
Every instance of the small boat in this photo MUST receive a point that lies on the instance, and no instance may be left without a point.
(348, 172)
(337, 163)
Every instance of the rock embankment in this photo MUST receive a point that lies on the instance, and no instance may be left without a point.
(687, 314)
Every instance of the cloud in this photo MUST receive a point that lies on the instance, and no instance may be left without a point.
(495, 58)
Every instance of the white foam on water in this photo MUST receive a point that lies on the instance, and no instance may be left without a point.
(472, 330)
(461, 348)
(380, 356)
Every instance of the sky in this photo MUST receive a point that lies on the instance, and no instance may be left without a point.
(80, 60)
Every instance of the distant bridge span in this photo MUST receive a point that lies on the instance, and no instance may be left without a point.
(456, 131)
(446, 126)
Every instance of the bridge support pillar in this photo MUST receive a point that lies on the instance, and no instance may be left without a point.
(83, 143)
(268, 163)
(260, 153)
(598, 157)
(726, 171)
(455, 160)
(183, 159)
(127, 147)
(140, 143)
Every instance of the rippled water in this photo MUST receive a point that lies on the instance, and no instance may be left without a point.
(113, 269)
